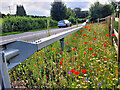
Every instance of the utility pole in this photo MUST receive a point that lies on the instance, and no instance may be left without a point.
(9, 9)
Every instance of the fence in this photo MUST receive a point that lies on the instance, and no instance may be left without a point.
(110, 21)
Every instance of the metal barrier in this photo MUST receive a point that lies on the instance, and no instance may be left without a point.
(16, 52)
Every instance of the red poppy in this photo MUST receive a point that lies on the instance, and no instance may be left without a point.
(89, 58)
(107, 58)
(104, 59)
(94, 39)
(62, 58)
(85, 42)
(90, 49)
(84, 70)
(93, 54)
(89, 29)
(84, 52)
(76, 72)
(94, 32)
(113, 34)
(107, 35)
(73, 49)
(38, 79)
(84, 35)
(112, 79)
(105, 45)
(117, 72)
(100, 37)
(61, 62)
(26, 40)
(53, 48)
(78, 66)
(99, 32)
(105, 41)
(40, 52)
(84, 80)
(61, 52)
(67, 41)
(59, 48)
(72, 71)
(76, 34)
(81, 30)
(55, 33)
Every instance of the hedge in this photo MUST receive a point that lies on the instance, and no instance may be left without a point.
(13, 24)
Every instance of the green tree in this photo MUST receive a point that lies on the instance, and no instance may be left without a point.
(20, 11)
(70, 13)
(58, 10)
(77, 12)
(98, 10)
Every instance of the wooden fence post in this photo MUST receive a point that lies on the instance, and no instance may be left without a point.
(118, 53)
(109, 25)
(112, 27)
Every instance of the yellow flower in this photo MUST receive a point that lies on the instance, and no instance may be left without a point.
(102, 70)
(85, 86)
(115, 66)
(108, 78)
(72, 83)
(115, 56)
(103, 75)
(96, 58)
(79, 77)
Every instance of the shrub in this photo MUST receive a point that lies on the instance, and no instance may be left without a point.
(13, 24)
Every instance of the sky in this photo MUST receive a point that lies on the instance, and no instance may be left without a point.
(42, 7)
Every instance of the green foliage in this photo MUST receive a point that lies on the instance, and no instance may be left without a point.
(72, 20)
(14, 24)
(58, 11)
(20, 11)
(98, 10)
(70, 13)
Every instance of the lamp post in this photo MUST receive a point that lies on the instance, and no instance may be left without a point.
(117, 9)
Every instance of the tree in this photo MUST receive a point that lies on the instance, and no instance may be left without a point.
(58, 10)
(20, 11)
(98, 10)
(70, 13)
(77, 12)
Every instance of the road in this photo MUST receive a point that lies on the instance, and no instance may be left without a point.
(32, 36)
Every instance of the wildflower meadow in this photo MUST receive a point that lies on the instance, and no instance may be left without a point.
(88, 61)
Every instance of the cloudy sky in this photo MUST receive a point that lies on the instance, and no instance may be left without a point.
(42, 7)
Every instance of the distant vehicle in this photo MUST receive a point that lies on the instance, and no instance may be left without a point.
(64, 23)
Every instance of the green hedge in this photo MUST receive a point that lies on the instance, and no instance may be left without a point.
(14, 24)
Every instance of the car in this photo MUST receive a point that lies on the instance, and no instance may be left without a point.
(64, 23)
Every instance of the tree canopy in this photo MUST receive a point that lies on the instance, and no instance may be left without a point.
(20, 11)
(98, 10)
(58, 11)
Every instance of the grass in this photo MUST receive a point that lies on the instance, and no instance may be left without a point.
(88, 61)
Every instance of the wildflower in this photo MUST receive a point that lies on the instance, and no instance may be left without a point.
(40, 52)
(99, 32)
(84, 35)
(76, 34)
(61, 52)
(73, 49)
(53, 48)
(61, 63)
(33, 71)
(87, 80)
(94, 32)
(81, 30)
(55, 33)
(84, 70)
(59, 48)
(113, 34)
(84, 80)
(26, 40)
(78, 66)
(105, 45)
(76, 72)
(89, 29)
(38, 79)
(67, 41)
(117, 72)
(100, 84)
(69, 72)
(72, 71)
(84, 52)
(105, 41)
(79, 77)
(90, 49)
(94, 39)
(85, 42)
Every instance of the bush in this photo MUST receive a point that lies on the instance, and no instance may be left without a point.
(72, 20)
(14, 24)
